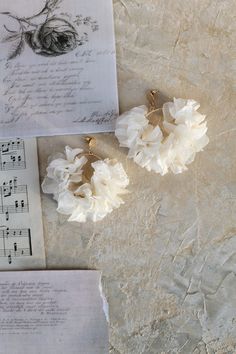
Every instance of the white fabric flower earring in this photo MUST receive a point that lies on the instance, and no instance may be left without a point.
(85, 186)
(163, 142)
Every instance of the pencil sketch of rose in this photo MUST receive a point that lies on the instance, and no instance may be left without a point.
(48, 34)
(55, 37)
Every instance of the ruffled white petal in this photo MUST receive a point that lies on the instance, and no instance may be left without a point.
(130, 125)
(67, 202)
(72, 153)
(85, 201)
(61, 172)
(186, 135)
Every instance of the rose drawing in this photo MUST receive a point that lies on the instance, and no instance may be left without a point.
(55, 37)
(48, 34)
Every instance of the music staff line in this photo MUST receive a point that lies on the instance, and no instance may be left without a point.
(12, 145)
(17, 205)
(15, 243)
(12, 155)
(8, 233)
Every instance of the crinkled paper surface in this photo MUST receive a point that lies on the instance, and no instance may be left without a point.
(168, 255)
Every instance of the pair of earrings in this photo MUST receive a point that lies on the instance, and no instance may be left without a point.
(87, 187)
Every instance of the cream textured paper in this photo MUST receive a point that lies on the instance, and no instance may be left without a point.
(167, 255)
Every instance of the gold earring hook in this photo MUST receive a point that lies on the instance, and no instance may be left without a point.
(155, 119)
(153, 96)
(87, 168)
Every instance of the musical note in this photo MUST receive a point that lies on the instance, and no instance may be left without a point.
(21, 233)
(13, 198)
(15, 243)
(12, 155)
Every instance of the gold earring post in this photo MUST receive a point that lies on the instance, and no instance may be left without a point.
(91, 141)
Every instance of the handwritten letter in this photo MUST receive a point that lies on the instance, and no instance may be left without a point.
(57, 67)
(52, 312)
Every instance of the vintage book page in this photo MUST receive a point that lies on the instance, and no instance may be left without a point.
(52, 312)
(57, 67)
(21, 229)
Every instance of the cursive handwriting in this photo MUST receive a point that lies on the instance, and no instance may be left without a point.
(42, 89)
(52, 90)
(35, 299)
(99, 117)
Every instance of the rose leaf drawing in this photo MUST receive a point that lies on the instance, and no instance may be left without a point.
(17, 50)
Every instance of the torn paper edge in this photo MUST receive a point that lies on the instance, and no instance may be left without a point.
(105, 305)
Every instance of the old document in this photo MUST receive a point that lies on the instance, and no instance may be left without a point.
(57, 67)
(21, 230)
(52, 312)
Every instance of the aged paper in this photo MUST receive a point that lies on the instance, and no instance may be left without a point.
(47, 312)
(21, 229)
(57, 67)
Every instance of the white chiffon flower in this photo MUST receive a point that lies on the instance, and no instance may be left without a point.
(64, 170)
(170, 147)
(91, 200)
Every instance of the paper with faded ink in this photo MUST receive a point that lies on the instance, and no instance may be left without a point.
(21, 229)
(57, 67)
(52, 312)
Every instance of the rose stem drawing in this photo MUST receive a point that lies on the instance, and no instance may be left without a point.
(47, 34)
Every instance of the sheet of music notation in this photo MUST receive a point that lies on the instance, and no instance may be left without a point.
(21, 230)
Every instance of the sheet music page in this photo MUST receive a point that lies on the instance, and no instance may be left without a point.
(57, 67)
(21, 229)
(52, 312)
